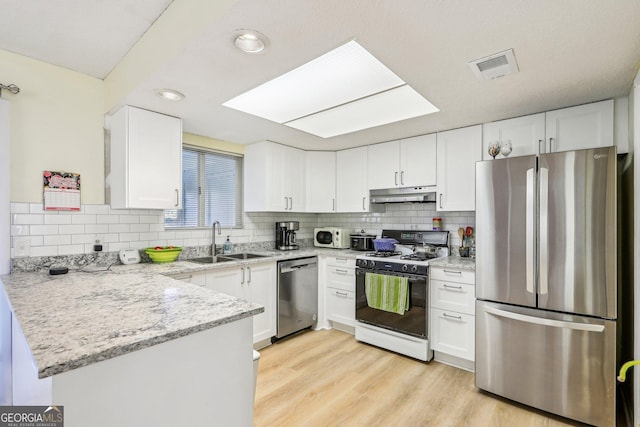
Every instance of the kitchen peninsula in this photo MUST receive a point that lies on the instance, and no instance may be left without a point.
(131, 347)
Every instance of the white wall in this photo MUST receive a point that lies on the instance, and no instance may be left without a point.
(56, 124)
(5, 159)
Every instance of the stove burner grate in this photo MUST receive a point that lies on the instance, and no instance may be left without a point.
(382, 254)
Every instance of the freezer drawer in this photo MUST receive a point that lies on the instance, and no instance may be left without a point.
(559, 363)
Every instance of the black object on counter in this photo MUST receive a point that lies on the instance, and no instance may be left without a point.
(58, 270)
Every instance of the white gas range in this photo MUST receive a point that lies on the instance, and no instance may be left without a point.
(392, 294)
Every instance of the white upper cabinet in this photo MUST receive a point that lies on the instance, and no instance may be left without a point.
(418, 159)
(320, 194)
(458, 152)
(146, 160)
(352, 190)
(273, 178)
(525, 134)
(384, 165)
(408, 162)
(584, 126)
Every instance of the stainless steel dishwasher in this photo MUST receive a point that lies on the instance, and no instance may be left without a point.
(297, 296)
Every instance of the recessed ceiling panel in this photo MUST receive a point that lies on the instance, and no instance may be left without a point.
(346, 73)
(387, 107)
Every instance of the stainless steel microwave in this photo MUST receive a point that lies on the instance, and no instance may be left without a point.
(332, 237)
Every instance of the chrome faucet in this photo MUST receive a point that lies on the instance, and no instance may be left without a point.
(213, 237)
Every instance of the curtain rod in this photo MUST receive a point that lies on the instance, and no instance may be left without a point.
(11, 88)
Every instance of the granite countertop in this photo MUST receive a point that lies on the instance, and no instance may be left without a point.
(455, 262)
(97, 313)
(77, 319)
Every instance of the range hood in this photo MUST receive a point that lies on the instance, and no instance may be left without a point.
(404, 195)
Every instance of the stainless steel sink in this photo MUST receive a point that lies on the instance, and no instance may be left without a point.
(210, 260)
(242, 256)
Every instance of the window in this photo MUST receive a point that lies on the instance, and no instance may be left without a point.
(211, 190)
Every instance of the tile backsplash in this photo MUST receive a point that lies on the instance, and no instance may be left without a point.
(39, 233)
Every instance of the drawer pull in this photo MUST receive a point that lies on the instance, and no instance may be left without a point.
(341, 270)
(448, 316)
(457, 273)
(342, 294)
(457, 288)
(341, 259)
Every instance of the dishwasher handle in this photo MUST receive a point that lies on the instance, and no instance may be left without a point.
(289, 269)
(298, 264)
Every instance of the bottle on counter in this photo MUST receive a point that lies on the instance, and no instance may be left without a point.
(226, 248)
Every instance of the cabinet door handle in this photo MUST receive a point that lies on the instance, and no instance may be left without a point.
(342, 294)
(551, 140)
(242, 282)
(402, 178)
(290, 203)
(286, 203)
(341, 270)
(333, 205)
(448, 316)
(458, 288)
(396, 178)
(440, 200)
(541, 149)
(177, 198)
(363, 208)
(457, 273)
(249, 274)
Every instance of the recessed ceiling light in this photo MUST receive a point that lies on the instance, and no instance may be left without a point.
(170, 94)
(250, 41)
(342, 91)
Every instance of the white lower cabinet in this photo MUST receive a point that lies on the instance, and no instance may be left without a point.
(251, 282)
(341, 290)
(452, 316)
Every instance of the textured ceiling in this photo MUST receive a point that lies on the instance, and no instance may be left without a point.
(569, 52)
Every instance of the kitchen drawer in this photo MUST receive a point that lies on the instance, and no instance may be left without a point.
(453, 296)
(341, 306)
(453, 333)
(341, 278)
(341, 261)
(453, 275)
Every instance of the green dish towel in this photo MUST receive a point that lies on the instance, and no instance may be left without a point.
(388, 293)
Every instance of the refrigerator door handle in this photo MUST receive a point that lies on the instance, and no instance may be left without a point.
(543, 321)
(544, 231)
(530, 229)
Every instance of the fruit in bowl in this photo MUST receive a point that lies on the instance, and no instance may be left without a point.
(163, 253)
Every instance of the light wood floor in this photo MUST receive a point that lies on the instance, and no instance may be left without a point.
(327, 378)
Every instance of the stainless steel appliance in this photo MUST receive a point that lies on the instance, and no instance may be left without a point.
(405, 333)
(362, 241)
(286, 235)
(297, 298)
(546, 288)
(331, 237)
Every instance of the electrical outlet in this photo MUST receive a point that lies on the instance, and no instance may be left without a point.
(21, 247)
(98, 246)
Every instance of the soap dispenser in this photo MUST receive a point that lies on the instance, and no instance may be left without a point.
(226, 248)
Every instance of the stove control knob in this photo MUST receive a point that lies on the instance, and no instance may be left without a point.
(405, 267)
(372, 263)
(414, 269)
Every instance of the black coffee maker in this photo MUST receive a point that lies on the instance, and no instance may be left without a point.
(286, 235)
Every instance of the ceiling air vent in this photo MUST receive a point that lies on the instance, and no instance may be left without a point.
(494, 66)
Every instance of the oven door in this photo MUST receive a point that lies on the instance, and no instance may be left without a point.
(413, 322)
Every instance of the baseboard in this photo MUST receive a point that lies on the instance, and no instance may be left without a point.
(342, 327)
(456, 362)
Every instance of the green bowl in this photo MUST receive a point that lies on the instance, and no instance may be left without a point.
(166, 254)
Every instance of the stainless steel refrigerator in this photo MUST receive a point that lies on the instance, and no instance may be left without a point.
(546, 293)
